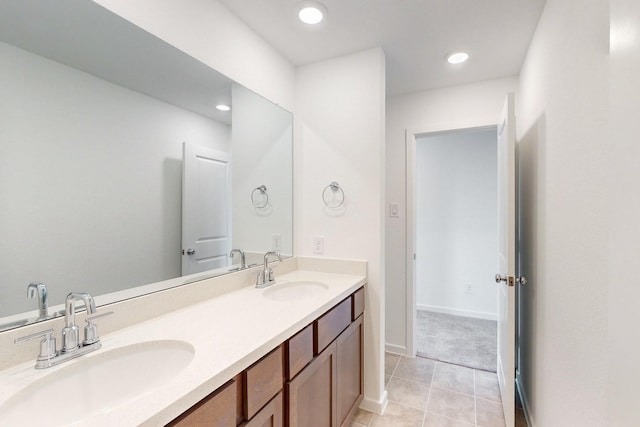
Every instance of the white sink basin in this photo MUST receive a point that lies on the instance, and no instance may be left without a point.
(96, 384)
(293, 291)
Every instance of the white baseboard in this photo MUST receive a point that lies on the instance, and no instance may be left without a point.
(395, 349)
(375, 406)
(457, 312)
(523, 398)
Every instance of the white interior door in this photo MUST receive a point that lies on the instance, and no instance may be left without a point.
(506, 259)
(206, 201)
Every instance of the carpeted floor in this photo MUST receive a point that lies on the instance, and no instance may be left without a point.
(459, 340)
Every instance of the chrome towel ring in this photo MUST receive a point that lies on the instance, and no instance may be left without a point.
(256, 202)
(335, 199)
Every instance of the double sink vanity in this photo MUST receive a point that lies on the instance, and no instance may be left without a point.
(229, 354)
(128, 111)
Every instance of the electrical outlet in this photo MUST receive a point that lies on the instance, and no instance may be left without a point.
(276, 242)
(468, 288)
(318, 245)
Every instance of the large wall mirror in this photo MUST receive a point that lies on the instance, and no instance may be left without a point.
(118, 174)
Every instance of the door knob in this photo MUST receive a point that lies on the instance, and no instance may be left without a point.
(521, 280)
(509, 280)
(191, 251)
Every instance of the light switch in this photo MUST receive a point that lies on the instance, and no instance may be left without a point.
(393, 210)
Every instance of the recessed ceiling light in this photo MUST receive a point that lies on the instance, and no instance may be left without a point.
(457, 57)
(223, 107)
(311, 12)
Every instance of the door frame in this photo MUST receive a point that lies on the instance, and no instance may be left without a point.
(410, 220)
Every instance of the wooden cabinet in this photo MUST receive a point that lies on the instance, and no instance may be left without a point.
(357, 303)
(298, 351)
(252, 398)
(311, 394)
(329, 389)
(314, 379)
(330, 324)
(271, 415)
(349, 357)
(216, 410)
(262, 381)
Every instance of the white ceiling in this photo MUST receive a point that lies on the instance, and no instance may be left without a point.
(414, 34)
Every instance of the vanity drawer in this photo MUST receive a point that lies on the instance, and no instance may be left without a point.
(298, 351)
(216, 410)
(357, 303)
(329, 326)
(262, 382)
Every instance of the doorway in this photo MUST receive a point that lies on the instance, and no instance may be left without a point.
(456, 239)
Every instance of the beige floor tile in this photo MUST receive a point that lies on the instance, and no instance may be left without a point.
(453, 378)
(357, 424)
(409, 393)
(415, 369)
(489, 414)
(362, 417)
(386, 380)
(433, 420)
(453, 405)
(397, 415)
(487, 386)
(390, 362)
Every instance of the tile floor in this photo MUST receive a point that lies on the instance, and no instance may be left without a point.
(427, 393)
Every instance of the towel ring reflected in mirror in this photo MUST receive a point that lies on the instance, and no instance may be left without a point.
(256, 200)
(335, 198)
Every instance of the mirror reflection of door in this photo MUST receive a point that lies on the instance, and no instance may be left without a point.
(206, 196)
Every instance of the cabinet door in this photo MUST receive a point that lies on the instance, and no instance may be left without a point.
(269, 416)
(311, 394)
(349, 356)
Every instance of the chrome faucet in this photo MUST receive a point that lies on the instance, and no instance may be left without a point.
(71, 346)
(71, 332)
(243, 264)
(39, 289)
(265, 277)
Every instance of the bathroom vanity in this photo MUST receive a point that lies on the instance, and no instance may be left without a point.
(313, 378)
(283, 355)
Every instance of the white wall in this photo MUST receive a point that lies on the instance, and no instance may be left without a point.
(624, 237)
(563, 143)
(262, 141)
(449, 108)
(90, 179)
(339, 136)
(208, 31)
(340, 129)
(456, 227)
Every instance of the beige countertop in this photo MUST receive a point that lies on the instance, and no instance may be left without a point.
(228, 333)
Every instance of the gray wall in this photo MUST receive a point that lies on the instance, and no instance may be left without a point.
(90, 181)
(456, 225)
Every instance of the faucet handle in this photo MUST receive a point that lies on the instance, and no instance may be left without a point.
(91, 330)
(47, 345)
(260, 280)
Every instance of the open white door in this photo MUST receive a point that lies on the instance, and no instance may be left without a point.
(506, 259)
(206, 201)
